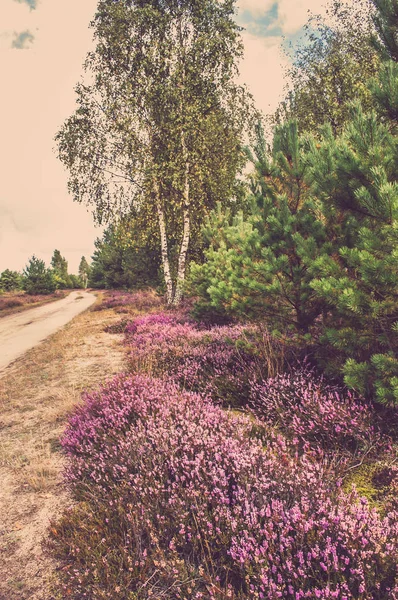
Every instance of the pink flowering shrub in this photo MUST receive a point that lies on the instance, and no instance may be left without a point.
(218, 362)
(314, 414)
(180, 500)
(122, 301)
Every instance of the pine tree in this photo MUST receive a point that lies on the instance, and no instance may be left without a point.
(60, 267)
(124, 261)
(10, 281)
(37, 279)
(386, 23)
(355, 176)
(258, 266)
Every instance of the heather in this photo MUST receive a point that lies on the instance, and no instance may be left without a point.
(219, 361)
(317, 415)
(124, 301)
(186, 500)
(179, 498)
(232, 364)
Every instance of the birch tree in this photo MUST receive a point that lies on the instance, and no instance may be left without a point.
(331, 67)
(84, 271)
(159, 121)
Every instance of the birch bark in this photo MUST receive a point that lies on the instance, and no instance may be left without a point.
(164, 243)
(186, 231)
(182, 258)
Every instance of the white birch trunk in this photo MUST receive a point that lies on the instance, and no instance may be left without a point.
(164, 245)
(182, 258)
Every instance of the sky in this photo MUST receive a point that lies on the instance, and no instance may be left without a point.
(43, 44)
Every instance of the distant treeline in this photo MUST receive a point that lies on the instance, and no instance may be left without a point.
(37, 278)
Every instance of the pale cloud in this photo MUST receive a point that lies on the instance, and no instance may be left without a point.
(15, 18)
(255, 7)
(31, 3)
(22, 40)
(294, 13)
(291, 15)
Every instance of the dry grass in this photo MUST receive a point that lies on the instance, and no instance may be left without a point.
(12, 303)
(36, 394)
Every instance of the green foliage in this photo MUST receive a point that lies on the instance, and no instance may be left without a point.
(331, 67)
(60, 270)
(258, 266)
(84, 272)
(37, 279)
(385, 91)
(158, 126)
(385, 20)
(355, 178)
(120, 262)
(318, 252)
(10, 281)
(75, 282)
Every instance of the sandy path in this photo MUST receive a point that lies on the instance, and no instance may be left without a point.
(37, 392)
(23, 331)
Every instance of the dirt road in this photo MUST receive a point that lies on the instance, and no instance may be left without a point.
(21, 332)
(37, 393)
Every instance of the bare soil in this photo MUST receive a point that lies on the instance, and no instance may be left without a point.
(12, 303)
(36, 395)
(21, 332)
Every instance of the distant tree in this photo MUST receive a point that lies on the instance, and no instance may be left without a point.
(10, 281)
(37, 279)
(124, 262)
(84, 271)
(60, 268)
(59, 263)
(76, 282)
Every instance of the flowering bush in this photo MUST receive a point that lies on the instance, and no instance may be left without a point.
(218, 362)
(140, 300)
(181, 501)
(314, 414)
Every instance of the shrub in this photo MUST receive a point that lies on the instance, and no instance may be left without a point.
(198, 359)
(118, 327)
(181, 501)
(10, 303)
(314, 414)
(385, 479)
(141, 300)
